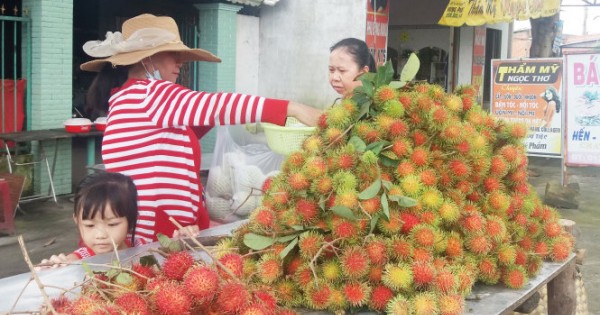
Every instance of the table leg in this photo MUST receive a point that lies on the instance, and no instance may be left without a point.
(50, 171)
(562, 297)
(8, 157)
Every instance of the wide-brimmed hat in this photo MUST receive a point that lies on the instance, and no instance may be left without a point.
(142, 36)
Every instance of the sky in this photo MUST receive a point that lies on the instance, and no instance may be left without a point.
(573, 18)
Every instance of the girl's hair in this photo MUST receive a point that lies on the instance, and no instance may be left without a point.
(101, 88)
(554, 98)
(101, 189)
(358, 50)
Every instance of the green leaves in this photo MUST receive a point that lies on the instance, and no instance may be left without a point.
(408, 72)
(344, 212)
(168, 245)
(404, 201)
(258, 242)
(371, 191)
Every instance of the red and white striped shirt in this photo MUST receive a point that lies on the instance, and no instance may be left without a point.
(152, 136)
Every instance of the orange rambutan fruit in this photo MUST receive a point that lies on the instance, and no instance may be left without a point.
(322, 121)
(498, 201)
(384, 94)
(478, 244)
(491, 184)
(375, 273)
(428, 177)
(488, 270)
(463, 147)
(371, 206)
(421, 254)
(338, 116)
(453, 103)
(423, 235)
(534, 264)
(401, 147)
(281, 197)
(411, 185)
(315, 167)
(466, 279)
(308, 210)
(423, 274)
(337, 300)
(419, 137)
(333, 135)
(445, 281)
(425, 303)
(318, 295)
(432, 198)
(429, 216)
(292, 263)
(322, 186)
(560, 249)
(342, 228)
(398, 128)
(296, 160)
(345, 161)
(506, 254)
(347, 199)
(498, 166)
(355, 262)
(552, 229)
(304, 276)
(420, 156)
(377, 250)
(309, 244)
(356, 293)
(313, 144)
(401, 248)
(510, 153)
(495, 228)
(515, 277)
(234, 263)
(438, 116)
(405, 168)
(262, 219)
(541, 248)
(298, 181)
(518, 176)
(472, 221)
(454, 247)
(390, 226)
(452, 133)
(269, 268)
(458, 168)
(451, 304)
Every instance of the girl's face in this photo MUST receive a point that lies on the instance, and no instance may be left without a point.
(168, 64)
(344, 71)
(548, 95)
(99, 234)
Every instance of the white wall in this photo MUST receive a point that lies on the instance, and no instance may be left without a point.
(247, 54)
(295, 37)
(465, 56)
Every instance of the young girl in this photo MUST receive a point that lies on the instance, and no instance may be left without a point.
(105, 213)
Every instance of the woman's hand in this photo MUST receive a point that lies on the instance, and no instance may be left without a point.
(305, 114)
(54, 261)
(187, 231)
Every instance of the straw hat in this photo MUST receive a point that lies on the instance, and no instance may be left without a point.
(143, 36)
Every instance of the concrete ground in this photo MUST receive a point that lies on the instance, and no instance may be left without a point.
(48, 227)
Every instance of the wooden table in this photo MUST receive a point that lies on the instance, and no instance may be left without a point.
(56, 134)
(496, 299)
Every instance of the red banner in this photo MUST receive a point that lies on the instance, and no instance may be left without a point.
(377, 29)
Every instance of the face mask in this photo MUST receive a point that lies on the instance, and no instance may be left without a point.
(155, 75)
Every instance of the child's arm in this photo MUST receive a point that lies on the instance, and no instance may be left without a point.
(55, 261)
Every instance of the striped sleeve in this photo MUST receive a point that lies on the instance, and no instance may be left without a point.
(172, 105)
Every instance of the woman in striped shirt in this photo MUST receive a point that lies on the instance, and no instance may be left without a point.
(154, 124)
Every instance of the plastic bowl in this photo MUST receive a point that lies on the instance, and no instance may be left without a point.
(78, 125)
(100, 123)
(288, 139)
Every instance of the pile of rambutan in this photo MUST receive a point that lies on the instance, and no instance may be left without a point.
(399, 202)
(181, 284)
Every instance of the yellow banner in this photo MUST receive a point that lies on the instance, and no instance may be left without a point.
(479, 12)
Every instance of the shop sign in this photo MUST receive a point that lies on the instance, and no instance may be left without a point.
(377, 29)
(583, 109)
(529, 91)
(478, 59)
(479, 12)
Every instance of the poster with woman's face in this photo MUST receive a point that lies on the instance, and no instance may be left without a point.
(583, 109)
(529, 91)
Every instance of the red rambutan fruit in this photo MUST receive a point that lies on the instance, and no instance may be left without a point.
(401, 147)
(454, 247)
(552, 229)
(398, 128)
(419, 137)
(380, 296)
(202, 283)
(298, 181)
(307, 210)
(234, 263)
(560, 249)
(309, 244)
(428, 177)
(423, 235)
(515, 277)
(377, 250)
(356, 293)
(132, 303)
(401, 248)
(318, 295)
(232, 298)
(459, 168)
(269, 268)
(405, 168)
(420, 156)
(409, 220)
(423, 274)
(172, 298)
(445, 281)
(488, 270)
(478, 244)
(177, 264)
(355, 262)
(371, 206)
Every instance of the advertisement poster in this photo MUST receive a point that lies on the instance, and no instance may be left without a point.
(479, 34)
(529, 91)
(377, 29)
(479, 12)
(583, 109)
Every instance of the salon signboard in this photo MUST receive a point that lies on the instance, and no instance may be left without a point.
(529, 91)
(377, 29)
(582, 97)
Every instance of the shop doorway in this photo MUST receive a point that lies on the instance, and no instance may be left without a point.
(493, 42)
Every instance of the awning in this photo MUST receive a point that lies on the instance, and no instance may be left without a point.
(479, 12)
(255, 2)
